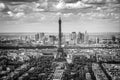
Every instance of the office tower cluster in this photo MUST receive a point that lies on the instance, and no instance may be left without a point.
(39, 36)
(66, 38)
(79, 38)
(48, 39)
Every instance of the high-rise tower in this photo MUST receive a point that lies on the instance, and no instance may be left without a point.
(60, 54)
(60, 22)
(60, 50)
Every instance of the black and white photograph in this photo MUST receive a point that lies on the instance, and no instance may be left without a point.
(59, 39)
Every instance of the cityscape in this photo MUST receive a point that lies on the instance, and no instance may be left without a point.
(59, 53)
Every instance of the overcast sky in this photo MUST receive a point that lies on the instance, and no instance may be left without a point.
(42, 15)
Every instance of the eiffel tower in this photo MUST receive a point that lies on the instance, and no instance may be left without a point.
(60, 52)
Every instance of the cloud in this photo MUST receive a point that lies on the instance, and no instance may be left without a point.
(100, 1)
(100, 15)
(2, 6)
(19, 0)
(58, 13)
(93, 1)
(64, 14)
(68, 14)
(63, 8)
(102, 12)
(34, 18)
(63, 5)
(27, 8)
(17, 15)
(71, 1)
(112, 1)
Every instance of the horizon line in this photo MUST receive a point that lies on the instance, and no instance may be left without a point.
(57, 32)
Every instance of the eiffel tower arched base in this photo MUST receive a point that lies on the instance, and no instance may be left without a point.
(60, 55)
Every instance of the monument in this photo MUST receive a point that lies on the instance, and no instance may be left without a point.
(60, 52)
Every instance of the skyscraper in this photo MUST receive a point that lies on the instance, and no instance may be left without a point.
(41, 36)
(37, 37)
(86, 37)
(80, 38)
(73, 38)
(52, 39)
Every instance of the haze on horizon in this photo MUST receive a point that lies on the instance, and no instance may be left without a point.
(77, 15)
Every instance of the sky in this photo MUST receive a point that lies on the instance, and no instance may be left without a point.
(43, 15)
